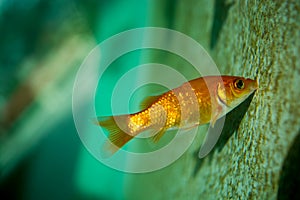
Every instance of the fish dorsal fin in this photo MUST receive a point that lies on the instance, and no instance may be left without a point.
(148, 101)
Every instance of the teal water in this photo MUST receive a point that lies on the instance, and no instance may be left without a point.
(42, 45)
(55, 164)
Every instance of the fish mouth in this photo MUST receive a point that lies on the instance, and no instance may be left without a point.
(254, 85)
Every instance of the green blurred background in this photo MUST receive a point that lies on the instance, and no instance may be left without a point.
(42, 45)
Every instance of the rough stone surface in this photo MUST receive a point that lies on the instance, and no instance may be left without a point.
(258, 39)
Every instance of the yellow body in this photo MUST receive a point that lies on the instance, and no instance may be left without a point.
(196, 102)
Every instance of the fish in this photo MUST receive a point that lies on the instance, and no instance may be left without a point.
(196, 102)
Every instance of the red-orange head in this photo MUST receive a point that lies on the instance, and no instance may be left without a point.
(235, 90)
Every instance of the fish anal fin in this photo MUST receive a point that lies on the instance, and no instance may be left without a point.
(148, 101)
(117, 137)
(158, 135)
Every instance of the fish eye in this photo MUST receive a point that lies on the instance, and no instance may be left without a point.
(239, 84)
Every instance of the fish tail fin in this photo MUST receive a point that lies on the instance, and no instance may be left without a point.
(117, 137)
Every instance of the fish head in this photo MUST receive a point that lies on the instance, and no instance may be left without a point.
(236, 90)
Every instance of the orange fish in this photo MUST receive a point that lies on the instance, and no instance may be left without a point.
(194, 103)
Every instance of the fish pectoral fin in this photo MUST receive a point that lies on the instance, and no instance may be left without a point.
(214, 118)
(211, 138)
(148, 101)
(217, 113)
(158, 135)
(117, 137)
